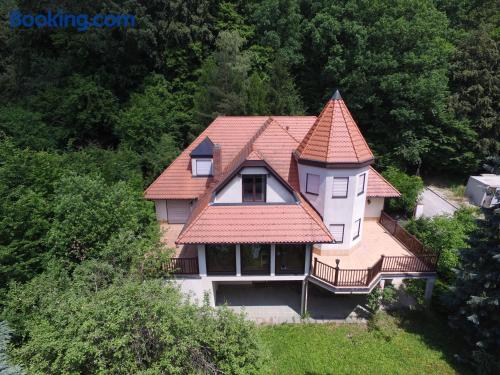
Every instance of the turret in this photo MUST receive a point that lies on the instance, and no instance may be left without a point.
(333, 162)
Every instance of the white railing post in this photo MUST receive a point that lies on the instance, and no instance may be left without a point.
(202, 260)
(273, 259)
(238, 260)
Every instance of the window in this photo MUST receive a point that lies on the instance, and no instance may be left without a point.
(361, 183)
(255, 259)
(203, 167)
(340, 187)
(254, 188)
(221, 259)
(337, 231)
(312, 184)
(290, 259)
(356, 228)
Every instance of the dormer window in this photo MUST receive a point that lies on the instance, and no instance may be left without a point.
(204, 167)
(202, 158)
(254, 188)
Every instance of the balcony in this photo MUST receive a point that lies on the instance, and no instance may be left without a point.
(386, 250)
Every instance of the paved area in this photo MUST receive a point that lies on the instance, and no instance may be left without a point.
(435, 204)
(170, 232)
(376, 241)
(279, 302)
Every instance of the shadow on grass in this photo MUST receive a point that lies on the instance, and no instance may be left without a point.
(435, 332)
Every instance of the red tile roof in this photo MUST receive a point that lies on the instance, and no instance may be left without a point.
(335, 137)
(290, 223)
(379, 186)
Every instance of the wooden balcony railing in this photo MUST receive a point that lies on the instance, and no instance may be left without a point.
(182, 266)
(421, 261)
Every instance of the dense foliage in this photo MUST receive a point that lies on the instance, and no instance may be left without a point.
(475, 297)
(410, 188)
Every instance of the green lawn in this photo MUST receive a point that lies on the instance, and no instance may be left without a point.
(412, 345)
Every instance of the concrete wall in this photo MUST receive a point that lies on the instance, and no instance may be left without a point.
(275, 191)
(161, 210)
(374, 207)
(337, 210)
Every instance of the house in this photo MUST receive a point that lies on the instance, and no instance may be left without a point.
(484, 190)
(264, 199)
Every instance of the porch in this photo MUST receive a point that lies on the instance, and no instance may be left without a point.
(386, 251)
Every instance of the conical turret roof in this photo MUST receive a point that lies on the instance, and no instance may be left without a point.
(335, 137)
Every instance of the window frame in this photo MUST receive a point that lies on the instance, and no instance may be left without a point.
(204, 160)
(264, 188)
(346, 189)
(343, 232)
(363, 185)
(307, 183)
(358, 230)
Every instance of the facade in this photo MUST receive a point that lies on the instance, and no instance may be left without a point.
(264, 199)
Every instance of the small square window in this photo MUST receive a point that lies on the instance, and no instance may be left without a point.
(254, 188)
(361, 183)
(337, 231)
(203, 167)
(312, 184)
(340, 187)
(356, 229)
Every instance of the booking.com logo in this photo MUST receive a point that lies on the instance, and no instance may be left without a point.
(59, 19)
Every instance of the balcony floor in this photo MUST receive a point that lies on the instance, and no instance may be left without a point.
(375, 242)
(170, 232)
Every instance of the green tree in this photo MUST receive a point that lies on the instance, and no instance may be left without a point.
(221, 87)
(410, 188)
(475, 298)
(125, 326)
(88, 213)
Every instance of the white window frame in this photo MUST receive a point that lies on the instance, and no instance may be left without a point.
(361, 183)
(204, 161)
(346, 187)
(343, 231)
(358, 229)
(307, 183)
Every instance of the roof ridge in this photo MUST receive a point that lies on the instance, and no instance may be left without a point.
(285, 129)
(349, 132)
(303, 203)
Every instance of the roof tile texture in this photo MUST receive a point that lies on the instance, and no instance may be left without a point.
(335, 137)
(379, 186)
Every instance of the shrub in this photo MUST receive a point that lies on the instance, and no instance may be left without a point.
(410, 188)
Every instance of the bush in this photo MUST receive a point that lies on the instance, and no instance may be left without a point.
(378, 297)
(410, 188)
(124, 326)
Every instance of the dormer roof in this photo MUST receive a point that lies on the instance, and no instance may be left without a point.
(334, 138)
(204, 150)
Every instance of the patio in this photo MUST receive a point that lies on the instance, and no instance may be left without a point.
(279, 302)
(376, 241)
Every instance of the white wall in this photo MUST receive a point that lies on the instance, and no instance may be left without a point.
(374, 208)
(161, 210)
(275, 191)
(337, 210)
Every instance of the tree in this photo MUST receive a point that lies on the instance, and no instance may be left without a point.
(125, 326)
(221, 86)
(88, 213)
(475, 298)
(151, 113)
(410, 188)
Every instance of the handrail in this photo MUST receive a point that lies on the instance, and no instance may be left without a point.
(363, 277)
(182, 266)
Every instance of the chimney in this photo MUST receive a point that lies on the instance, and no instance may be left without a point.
(217, 162)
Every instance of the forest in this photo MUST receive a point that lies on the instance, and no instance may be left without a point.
(89, 119)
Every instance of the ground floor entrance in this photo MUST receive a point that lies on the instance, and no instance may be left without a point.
(280, 302)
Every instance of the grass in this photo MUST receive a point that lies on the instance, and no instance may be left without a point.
(413, 344)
